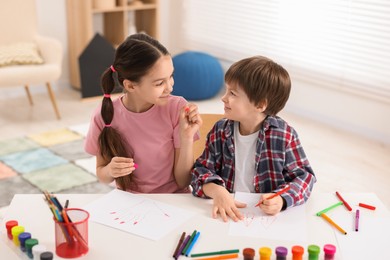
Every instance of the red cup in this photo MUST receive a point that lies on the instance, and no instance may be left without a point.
(71, 234)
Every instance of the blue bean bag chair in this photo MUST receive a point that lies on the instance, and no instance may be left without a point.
(197, 75)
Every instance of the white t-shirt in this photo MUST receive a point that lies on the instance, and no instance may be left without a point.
(245, 151)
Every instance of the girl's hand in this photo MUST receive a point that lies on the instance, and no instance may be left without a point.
(121, 166)
(190, 121)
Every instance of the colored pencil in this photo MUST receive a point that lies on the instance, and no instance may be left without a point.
(274, 195)
(223, 252)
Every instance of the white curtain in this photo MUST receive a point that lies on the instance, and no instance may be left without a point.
(342, 44)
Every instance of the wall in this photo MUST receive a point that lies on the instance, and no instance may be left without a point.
(347, 111)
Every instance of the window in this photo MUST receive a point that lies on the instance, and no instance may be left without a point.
(343, 44)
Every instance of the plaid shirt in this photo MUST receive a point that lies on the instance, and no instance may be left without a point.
(280, 160)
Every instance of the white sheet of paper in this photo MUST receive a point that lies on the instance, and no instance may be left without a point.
(372, 239)
(288, 225)
(136, 214)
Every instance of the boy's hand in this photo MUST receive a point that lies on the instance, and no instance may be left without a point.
(271, 206)
(224, 204)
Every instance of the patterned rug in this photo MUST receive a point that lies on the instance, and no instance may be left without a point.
(53, 161)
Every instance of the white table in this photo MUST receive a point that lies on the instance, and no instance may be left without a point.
(108, 243)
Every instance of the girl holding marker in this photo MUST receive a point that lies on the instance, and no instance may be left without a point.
(143, 139)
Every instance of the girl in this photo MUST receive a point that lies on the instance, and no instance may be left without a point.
(143, 139)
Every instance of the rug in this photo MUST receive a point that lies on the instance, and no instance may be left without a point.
(52, 161)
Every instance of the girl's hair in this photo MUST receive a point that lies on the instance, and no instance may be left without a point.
(133, 59)
(264, 82)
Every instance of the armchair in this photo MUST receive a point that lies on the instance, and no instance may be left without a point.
(18, 24)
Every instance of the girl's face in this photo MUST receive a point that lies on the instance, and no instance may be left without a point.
(157, 84)
(237, 105)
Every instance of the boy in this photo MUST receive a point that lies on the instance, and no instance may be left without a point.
(252, 149)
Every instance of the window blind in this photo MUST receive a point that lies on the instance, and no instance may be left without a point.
(342, 44)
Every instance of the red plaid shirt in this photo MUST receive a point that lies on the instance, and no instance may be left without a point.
(280, 160)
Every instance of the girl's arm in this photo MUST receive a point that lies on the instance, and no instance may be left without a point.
(190, 123)
(117, 167)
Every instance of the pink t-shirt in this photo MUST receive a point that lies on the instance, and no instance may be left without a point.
(153, 136)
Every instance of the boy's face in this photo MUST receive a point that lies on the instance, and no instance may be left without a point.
(237, 105)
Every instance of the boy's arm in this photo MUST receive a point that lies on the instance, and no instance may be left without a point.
(298, 173)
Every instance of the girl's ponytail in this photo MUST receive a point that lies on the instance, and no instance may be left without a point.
(110, 141)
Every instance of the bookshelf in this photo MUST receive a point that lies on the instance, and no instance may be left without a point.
(119, 19)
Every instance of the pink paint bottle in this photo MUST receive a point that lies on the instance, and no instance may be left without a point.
(329, 251)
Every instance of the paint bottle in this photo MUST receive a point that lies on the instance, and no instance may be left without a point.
(22, 239)
(47, 255)
(297, 252)
(9, 225)
(265, 253)
(248, 253)
(314, 252)
(281, 253)
(329, 251)
(16, 231)
(29, 245)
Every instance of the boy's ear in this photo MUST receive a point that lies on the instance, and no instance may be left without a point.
(128, 85)
(262, 106)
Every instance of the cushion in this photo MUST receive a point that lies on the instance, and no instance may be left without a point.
(19, 54)
(198, 75)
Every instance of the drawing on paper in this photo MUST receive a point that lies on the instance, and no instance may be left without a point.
(252, 218)
(137, 213)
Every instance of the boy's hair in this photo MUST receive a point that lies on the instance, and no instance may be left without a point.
(133, 59)
(264, 82)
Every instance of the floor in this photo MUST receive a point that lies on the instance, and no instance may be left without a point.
(342, 161)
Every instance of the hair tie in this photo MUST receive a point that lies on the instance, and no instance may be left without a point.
(112, 68)
(107, 95)
(109, 125)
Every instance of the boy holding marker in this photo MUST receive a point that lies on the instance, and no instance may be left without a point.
(252, 149)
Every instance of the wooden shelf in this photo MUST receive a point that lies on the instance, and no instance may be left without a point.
(116, 26)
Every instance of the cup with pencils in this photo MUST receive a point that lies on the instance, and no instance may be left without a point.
(71, 228)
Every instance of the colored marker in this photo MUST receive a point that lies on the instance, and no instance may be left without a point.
(329, 208)
(192, 244)
(188, 243)
(357, 220)
(182, 246)
(274, 195)
(344, 202)
(179, 244)
(231, 256)
(330, 221)
(366, 206)
(224, 252)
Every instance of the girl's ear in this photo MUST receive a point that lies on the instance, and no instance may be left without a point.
(128, 85)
